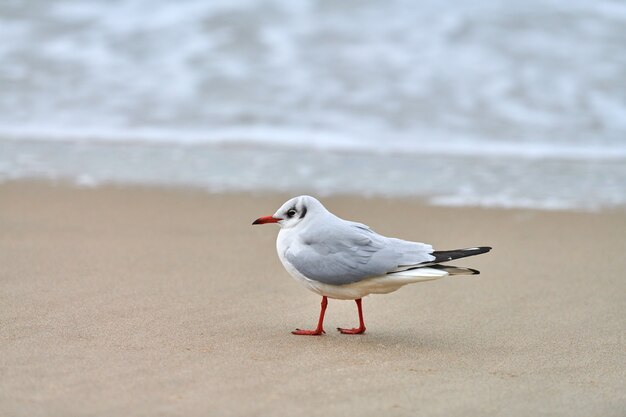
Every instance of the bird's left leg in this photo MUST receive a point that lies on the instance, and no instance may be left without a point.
(320, 323)
(361, 328)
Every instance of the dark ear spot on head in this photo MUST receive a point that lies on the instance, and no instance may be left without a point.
(303, 212)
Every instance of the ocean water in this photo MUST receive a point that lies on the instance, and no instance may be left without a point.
(488, 103)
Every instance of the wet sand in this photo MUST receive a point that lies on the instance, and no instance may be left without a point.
(137, 301)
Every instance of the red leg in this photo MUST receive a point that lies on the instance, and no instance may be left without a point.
(361, 328)
(320, 322)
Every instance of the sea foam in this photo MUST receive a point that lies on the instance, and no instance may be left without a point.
(490, 88)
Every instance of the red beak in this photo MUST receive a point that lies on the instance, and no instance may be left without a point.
(266, 219)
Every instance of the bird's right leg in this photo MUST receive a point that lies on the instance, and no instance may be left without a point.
(357, 330)
(320, 323)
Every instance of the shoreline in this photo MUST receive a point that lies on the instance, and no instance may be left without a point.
(423, 201)
(552, 184)
(151, 300)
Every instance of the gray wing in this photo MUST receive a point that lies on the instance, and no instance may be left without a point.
(348, 252)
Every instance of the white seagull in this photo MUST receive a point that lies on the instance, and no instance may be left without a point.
(345, 260)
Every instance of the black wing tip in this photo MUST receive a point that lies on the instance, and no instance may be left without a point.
(474, 271)
(479, 249)
(449, 255)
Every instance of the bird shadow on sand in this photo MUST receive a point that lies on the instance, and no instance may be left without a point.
(392, 339)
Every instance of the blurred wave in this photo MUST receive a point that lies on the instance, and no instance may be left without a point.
(453, 79)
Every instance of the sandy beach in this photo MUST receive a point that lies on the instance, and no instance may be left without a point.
(139, 301)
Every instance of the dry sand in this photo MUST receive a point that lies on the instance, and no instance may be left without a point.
(137, 302)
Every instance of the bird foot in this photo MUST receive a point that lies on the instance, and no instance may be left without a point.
(316, 332)
(359, 330)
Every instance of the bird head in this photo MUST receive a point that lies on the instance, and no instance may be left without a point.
(293, 212)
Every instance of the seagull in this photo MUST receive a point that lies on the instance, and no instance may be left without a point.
(345, 260)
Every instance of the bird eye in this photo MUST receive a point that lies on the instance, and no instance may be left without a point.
(291, 212)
